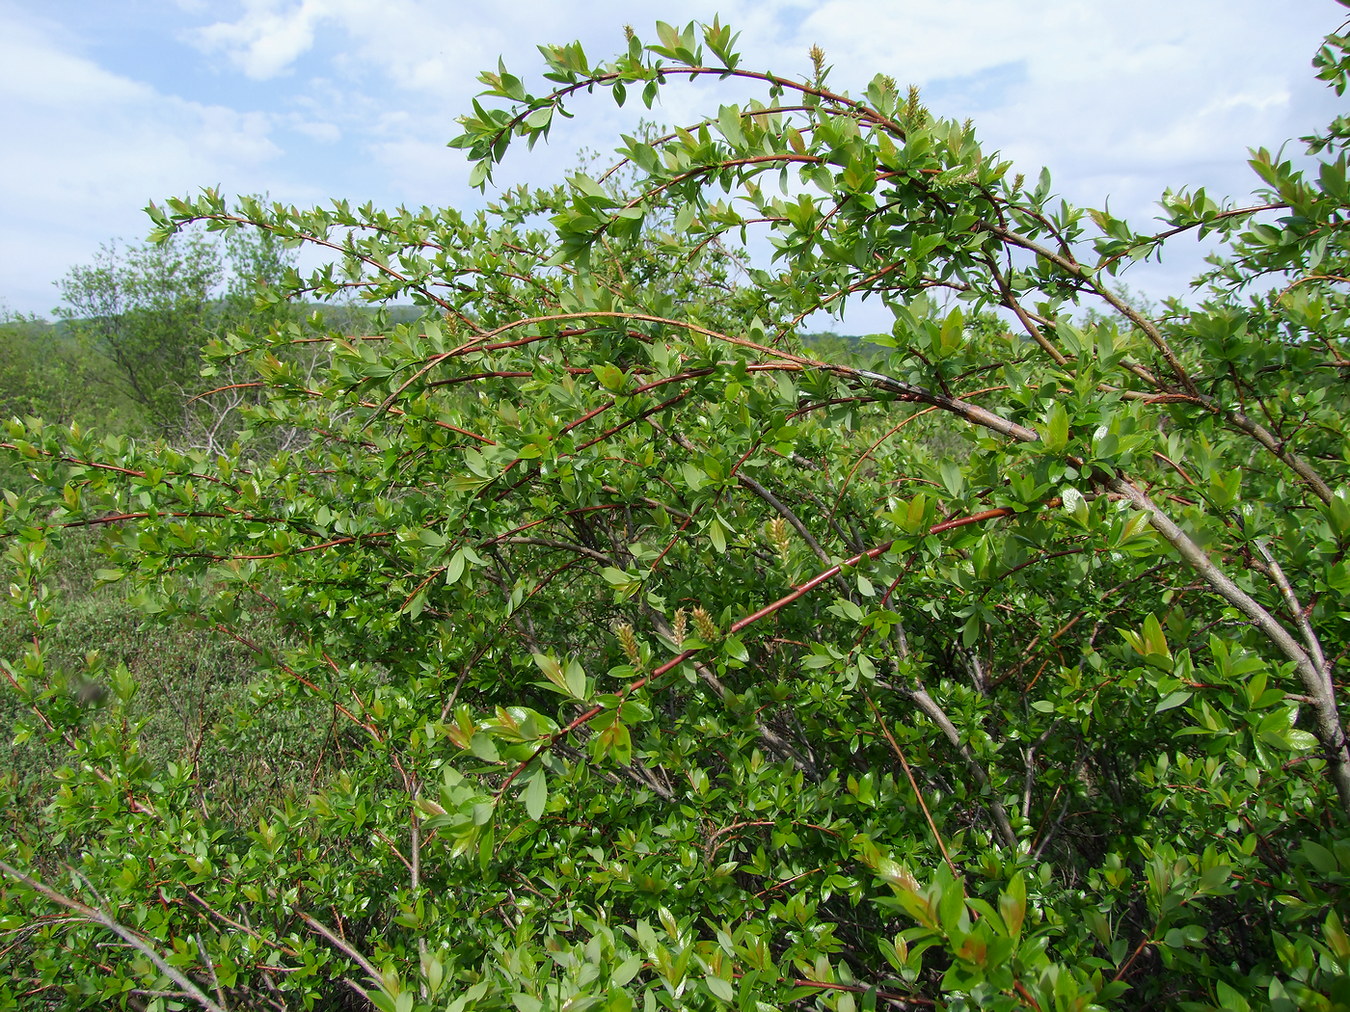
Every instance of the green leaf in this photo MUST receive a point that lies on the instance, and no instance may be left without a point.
(433, 539)
(916, 515)
(1012, 905)
(576, 680)
(1173, 699)
(482, 746)
(717, 535)
(733, 647)
(1228, 998)
(455, 568)
(1301, 741)
(553, 671)
(610, 377)
(415, 605)
(1338, 511)
(720, 989)
(616, 742)
(1320, 858)
(1334, 934)
(952, 331)
(540, 118)
(535, 795)
(1055, 435)
(626, 971)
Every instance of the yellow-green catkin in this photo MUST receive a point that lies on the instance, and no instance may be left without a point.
(818, 63)
(776, 531)
(679, 628)
(704, 625)
(628, 643)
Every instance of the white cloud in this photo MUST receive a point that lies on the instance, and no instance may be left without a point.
(87, 149)
(316, 130)
(420, 172)
(267, 38)
(38, 76)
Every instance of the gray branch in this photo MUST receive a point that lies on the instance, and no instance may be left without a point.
(190, 989)
(1316, 681)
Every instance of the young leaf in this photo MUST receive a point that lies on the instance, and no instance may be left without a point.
(535, 795)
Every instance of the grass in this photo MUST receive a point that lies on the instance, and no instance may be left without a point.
(194, 701)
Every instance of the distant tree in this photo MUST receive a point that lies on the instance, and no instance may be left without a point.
(145, 313)
(149, 310)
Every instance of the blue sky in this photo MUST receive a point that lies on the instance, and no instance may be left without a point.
(112, 103)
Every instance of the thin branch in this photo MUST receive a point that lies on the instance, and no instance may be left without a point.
(190, 989)
(938, 716)
(1315, 681)
(1300, 616)
(211, 969)
(340, 943)
(783, 511)
(564, 546)
(918, 794)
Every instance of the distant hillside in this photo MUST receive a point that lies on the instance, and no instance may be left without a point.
(850, 348)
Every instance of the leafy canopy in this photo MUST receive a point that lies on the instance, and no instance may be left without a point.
(655, 659)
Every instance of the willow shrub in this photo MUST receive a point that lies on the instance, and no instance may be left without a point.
(647, 659)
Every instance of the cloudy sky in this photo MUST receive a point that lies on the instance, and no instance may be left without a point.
(112, 103)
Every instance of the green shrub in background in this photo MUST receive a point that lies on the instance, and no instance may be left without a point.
(636, 655)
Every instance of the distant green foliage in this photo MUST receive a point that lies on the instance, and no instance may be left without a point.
(135, 322)
(615, 646)
(842, 348)
(44, 371)
(147, 311)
